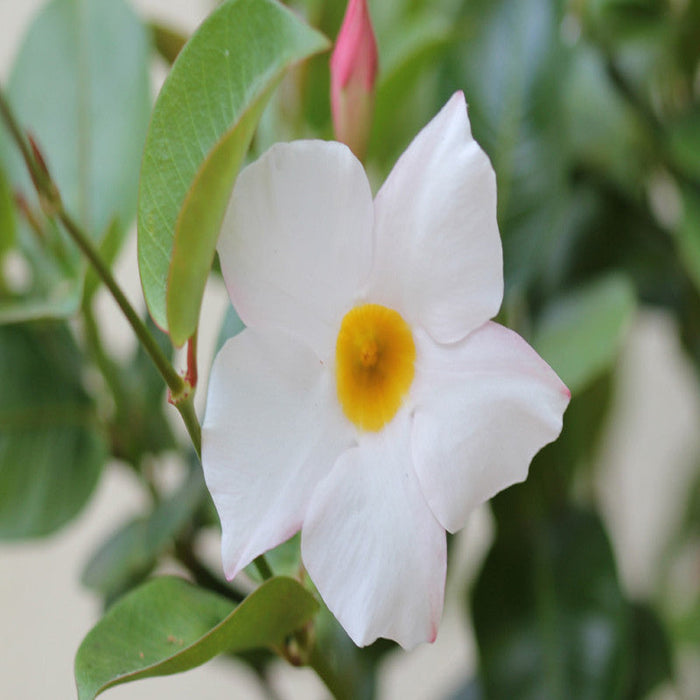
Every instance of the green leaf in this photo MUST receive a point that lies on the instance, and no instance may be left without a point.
(80, 85)
(652, 663)
(684, 143)
(7, 217)
(604, 132)
(168, 626)
(415, 47)
(549, 615)
(512, 63)
(688, 235)
(51, 452)
(131, 553)
(202, 124)
(87, 109)
(580, 333)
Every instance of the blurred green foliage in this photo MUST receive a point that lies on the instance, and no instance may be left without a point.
(590, 113)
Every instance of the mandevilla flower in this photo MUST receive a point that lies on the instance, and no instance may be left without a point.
(370, 402)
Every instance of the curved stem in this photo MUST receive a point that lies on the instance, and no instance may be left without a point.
(186, 408)
(107, 366)
(263, 567)
(174, 381)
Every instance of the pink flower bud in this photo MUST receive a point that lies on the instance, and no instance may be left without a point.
(353, 75)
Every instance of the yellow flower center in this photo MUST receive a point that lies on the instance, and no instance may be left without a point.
(374, 359)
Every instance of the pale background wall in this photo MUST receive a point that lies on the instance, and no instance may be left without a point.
(44, 613)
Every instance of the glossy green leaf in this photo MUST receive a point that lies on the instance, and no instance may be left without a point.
(415, 46)
(512, 65)
(80, 85)
(684, 143)
(604, 132)
(168, 626)
(7, 216)
(653, 662)
(131, 553)
(580, 334)
(688, 235)
(202, 124)
(549, 615)
(51, 451)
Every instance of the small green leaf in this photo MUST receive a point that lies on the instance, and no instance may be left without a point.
(51, 452)
(168, 626)
(202, 124)
(688, 235)
(7, 216)
(109, 248)
(684, 143)
(580, 334)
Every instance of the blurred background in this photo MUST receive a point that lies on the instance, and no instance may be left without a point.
(584, 581)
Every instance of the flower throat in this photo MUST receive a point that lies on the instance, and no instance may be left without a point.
(374, 357)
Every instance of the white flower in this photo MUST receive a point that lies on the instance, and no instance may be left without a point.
(370, 401)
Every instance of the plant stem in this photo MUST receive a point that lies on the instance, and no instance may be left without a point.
(323, 669)
(201, 573)
(174, 381)
(186, 408)
(107, 366)
(263, 567)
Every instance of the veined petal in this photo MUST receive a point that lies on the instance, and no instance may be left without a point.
(438, 257)
(272, 430)
(483, 408)
(296, 244)
(372, 546)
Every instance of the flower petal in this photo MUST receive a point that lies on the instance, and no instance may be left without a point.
(296, 243)
(483, 408)
(371, 545)
(438, 258)
(272, 430)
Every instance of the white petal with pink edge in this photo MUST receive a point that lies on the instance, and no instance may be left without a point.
(482, 409)
(372, 546)
(272, 431)
(438, 258)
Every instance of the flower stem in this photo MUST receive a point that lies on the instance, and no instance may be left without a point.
(323, 669)
(263, 567)
(174, 381)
